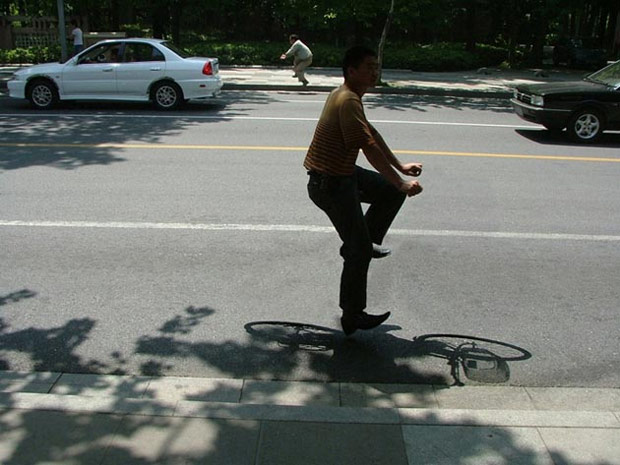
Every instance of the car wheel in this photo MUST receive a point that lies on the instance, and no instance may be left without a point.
(586, 126)
(42, 94)
(167, 95)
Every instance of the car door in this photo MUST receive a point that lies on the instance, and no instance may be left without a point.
(142, 64)
(92, 74)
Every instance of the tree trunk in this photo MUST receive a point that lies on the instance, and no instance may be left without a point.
(386, 27)
(160, 18)
(470, 22)
(176, 13)
(616, 48)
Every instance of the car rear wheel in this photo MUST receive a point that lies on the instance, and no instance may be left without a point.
(167, 95)
(586, 126)
(42, 94)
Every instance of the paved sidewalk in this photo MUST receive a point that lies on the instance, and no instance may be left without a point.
(485, 82)
(54, 418)
(478, 83)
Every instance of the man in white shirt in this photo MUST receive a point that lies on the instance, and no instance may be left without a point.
(78, 38)
(302, 57)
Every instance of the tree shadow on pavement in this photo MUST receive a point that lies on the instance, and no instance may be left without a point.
(88, 133)
(123, 426)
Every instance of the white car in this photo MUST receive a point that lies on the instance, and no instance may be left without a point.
(126, 69)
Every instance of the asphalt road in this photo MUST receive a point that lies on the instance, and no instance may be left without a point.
(139, 242)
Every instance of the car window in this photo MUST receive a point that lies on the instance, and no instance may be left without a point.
(139, 52)
(609, 75)
(179, 51)
(106, 53)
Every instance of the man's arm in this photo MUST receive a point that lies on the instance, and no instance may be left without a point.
(411, 169)
(291, 51)
(382, 163)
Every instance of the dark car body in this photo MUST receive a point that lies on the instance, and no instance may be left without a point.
(585, 108)
(578, 53)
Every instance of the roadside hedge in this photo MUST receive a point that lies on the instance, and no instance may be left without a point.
(18, 56)
(435, 57)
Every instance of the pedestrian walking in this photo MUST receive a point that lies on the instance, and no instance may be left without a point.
(78, 38)
(338, 186)
(302, 57)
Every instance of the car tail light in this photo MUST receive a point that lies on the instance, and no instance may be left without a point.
(207, 69)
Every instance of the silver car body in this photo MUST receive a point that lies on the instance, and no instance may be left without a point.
(78, 79)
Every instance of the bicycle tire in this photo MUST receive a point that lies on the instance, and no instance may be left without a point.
(292, 334)
(523, 353)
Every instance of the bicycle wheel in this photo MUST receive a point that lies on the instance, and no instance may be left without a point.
(296, 335)
(502, 350)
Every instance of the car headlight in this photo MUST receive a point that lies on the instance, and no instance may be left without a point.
(538, 100)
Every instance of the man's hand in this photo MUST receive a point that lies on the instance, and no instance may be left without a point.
(411, 169)
(410, 188)
(283, 56)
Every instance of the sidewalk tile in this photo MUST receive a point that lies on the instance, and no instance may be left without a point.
(55, 438)
(387, 395)
(527, 418)
(198, 389)
(101, 385)
(321, 444)
(288, 413)
(13, 381)
(575, 398)
(175, 441)
(290, 393)
(71, 403)
(583, 446)
(450, 445)
(484, 397)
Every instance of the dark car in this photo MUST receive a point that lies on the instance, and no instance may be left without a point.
(585, 108)
(579, 53)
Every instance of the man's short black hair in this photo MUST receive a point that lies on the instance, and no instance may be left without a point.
(294, 37)
(355, 56)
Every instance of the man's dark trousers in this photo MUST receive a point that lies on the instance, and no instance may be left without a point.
(341, 197)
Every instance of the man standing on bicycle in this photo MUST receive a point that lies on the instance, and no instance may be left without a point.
(338, 186)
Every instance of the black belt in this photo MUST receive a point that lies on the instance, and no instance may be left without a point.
(322, 175)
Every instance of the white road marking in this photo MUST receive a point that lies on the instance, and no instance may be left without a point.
(262, 118)
(307, 229)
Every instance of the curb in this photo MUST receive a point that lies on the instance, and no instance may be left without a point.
(310, 413)
(445, 92)
(429, 91)
(305, 401)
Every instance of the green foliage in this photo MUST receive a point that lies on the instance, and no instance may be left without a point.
(134, 30)
(242, 54)
(438, 57)
(441, 57)
(30, 55)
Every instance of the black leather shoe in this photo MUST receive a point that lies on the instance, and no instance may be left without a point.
(380, 252)
(363, 320)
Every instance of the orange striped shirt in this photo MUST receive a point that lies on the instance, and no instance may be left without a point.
(341, 132)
